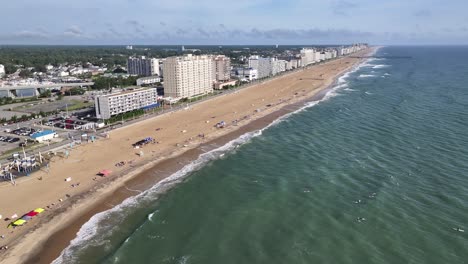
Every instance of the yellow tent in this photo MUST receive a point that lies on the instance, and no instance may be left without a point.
(19, 222)
(39, 210)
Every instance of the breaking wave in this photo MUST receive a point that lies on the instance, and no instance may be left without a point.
(366, 76)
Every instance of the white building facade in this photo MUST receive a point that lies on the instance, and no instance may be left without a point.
(278, 66)
(148, 80)
(307, 56)
(2, 70)
(114, 104)
(264, 66)
(188, 76)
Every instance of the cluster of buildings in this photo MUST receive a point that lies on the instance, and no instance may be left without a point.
(58, 74)
(191, 76)
(263, 67)
(71, 70)
(186, 76)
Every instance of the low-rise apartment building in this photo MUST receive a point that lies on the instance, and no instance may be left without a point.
(114, 104)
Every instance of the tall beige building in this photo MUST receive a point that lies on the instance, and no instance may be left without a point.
(188, 76)
(222, 68)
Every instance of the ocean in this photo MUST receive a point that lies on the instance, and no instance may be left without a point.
(376, 172)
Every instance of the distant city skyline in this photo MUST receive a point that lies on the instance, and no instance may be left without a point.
(241, 22)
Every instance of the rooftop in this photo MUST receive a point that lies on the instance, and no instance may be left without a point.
(128, 92)
(42, 133)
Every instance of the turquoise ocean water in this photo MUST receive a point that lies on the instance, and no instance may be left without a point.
(377, 172)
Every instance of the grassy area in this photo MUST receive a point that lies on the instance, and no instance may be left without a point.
(8, 154)
(8, 100)
(77, 104)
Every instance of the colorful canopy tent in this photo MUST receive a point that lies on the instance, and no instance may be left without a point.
(105, 172)
(19, 222)
(38, 210)
(26, 217)
(32, 213)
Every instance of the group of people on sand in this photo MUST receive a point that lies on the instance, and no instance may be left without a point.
(120, 164)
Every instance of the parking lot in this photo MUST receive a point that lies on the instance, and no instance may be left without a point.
(67, 123)
(9, 142)
(8, 139)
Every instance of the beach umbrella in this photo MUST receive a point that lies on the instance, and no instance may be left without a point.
(19, 222)
(39, 210)
(105, 172)
(32, 213)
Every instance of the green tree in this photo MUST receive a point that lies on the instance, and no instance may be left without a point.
(45, 94)
(10, 68)
(25, 73)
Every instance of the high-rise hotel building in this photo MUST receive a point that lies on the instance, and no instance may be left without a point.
(222, 68)
(143, 66)
(188, 76)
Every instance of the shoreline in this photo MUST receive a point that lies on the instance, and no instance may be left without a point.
(118, 188)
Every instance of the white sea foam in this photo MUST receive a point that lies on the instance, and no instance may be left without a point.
(380, 66)
(366, 76)
(150, 216)
(349, 90)
(101, 222)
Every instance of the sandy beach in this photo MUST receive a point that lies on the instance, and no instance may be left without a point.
(180, 136)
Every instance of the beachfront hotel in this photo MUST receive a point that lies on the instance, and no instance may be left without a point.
(222, 68)
(264, 66)
(114, 104)
(308, 56)
(188, 76)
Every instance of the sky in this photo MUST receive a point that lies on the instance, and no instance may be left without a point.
(238, 22)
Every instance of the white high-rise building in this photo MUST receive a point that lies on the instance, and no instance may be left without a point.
(317, 56)
(278, 66)
(222, 68)
(2, 70)
(188, 76)
(307, 56)
(143, 66)
(114, 104)
(264, 66)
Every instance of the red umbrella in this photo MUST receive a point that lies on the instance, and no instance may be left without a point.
(105, 172)
(32, 213)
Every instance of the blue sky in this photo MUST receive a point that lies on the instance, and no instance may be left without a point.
(156, 22)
